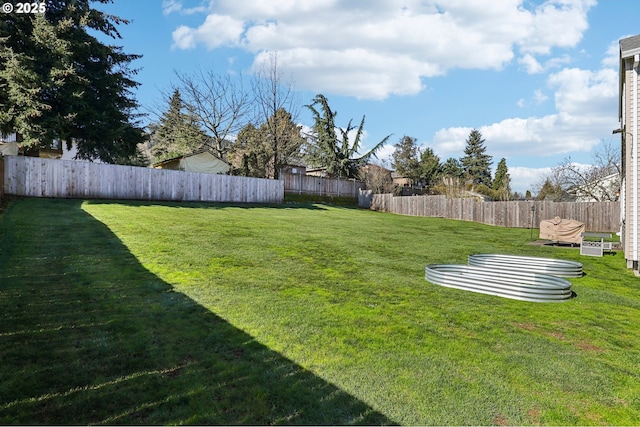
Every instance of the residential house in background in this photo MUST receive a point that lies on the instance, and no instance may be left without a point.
(604, 189)
(400, 180)
(10, 146)
(203, 161)
(629, 116)
(294, 169)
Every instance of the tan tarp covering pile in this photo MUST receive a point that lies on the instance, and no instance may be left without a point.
(204, 163)
(561, 230)
(9, 149)
(201, 161)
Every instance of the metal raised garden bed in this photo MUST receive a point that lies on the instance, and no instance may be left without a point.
(513, 263)
(520, 285)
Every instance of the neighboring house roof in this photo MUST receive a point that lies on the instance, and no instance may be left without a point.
(630, 46)
(204, 161)
(322, 171)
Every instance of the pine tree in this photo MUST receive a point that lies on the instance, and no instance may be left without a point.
(430, 167)
(248, 154)
(475, 163)
(60, 82)
(405, 159)
(177, 133)
(282, 141)
(550, 191)
(452, 168)
(502, 181)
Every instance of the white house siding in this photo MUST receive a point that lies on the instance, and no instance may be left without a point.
(630, 126)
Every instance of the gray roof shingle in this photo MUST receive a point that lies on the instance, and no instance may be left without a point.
(629, 44)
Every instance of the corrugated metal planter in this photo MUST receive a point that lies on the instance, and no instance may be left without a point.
(519, 285)
(555, 267)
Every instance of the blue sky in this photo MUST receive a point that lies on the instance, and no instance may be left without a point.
(539, 79)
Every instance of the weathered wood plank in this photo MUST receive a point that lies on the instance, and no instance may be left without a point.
(36, 177)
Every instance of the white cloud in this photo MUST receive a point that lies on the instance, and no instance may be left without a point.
(539, 97)
(385, 154)
(175, 6)
(531, 64)
(523, 178)
(612, 57)
(375, 50)
(586, 107)
(585, 94)
(555, 24)
(216, 31)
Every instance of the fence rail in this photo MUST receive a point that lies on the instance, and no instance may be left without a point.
(308, 184)
(597, 216)
(38, 177)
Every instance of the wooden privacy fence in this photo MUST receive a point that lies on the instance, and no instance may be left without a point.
(597, 216)
(1, 177)
(37, 177)
(309, 184)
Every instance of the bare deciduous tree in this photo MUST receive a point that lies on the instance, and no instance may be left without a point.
(599, 181)
(220, 104)
(273, 95)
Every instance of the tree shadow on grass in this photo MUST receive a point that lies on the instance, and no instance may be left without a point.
(89, 336)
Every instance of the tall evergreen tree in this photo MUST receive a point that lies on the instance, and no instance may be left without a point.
(475, 162)
(177, 133)
(406, 159)
(430, 167)
(248, 154)
(60, 82)
(276, 106)
(452, 168)
(337, 155)
(502, 181)
(282, 140)
(551, 191)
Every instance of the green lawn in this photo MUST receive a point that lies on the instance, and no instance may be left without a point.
(152, 313)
